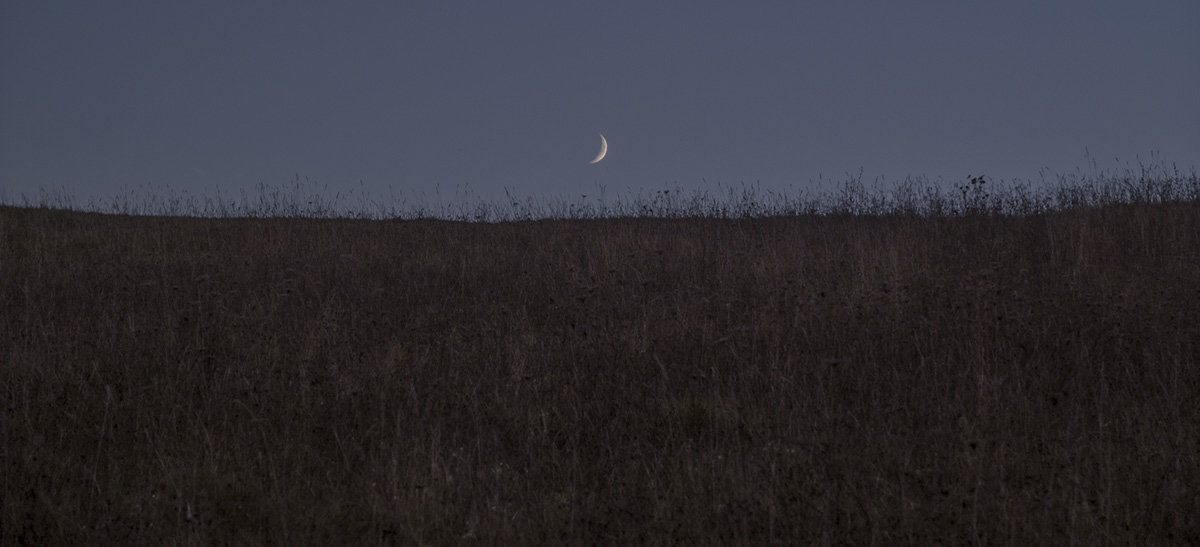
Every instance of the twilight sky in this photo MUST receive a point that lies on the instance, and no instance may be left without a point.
(408, 97)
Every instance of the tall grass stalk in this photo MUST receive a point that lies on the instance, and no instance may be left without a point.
(916, 365)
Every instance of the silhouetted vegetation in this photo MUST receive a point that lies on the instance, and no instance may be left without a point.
(910, 365)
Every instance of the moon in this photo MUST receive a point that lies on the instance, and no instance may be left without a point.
(603, 149)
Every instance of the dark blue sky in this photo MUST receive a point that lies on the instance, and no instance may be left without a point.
(406, 96)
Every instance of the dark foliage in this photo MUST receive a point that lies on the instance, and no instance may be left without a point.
(977, 376)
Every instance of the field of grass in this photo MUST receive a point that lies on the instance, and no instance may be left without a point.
(913, 367)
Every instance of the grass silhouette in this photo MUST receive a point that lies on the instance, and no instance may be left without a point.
(905, 366)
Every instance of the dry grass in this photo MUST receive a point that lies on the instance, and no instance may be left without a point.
(960, 378)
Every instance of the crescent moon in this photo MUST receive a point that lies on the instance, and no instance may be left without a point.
(603, 150)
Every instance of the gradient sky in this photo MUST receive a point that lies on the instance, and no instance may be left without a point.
(408, 97)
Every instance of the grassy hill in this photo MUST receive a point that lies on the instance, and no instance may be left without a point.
(965, 377)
